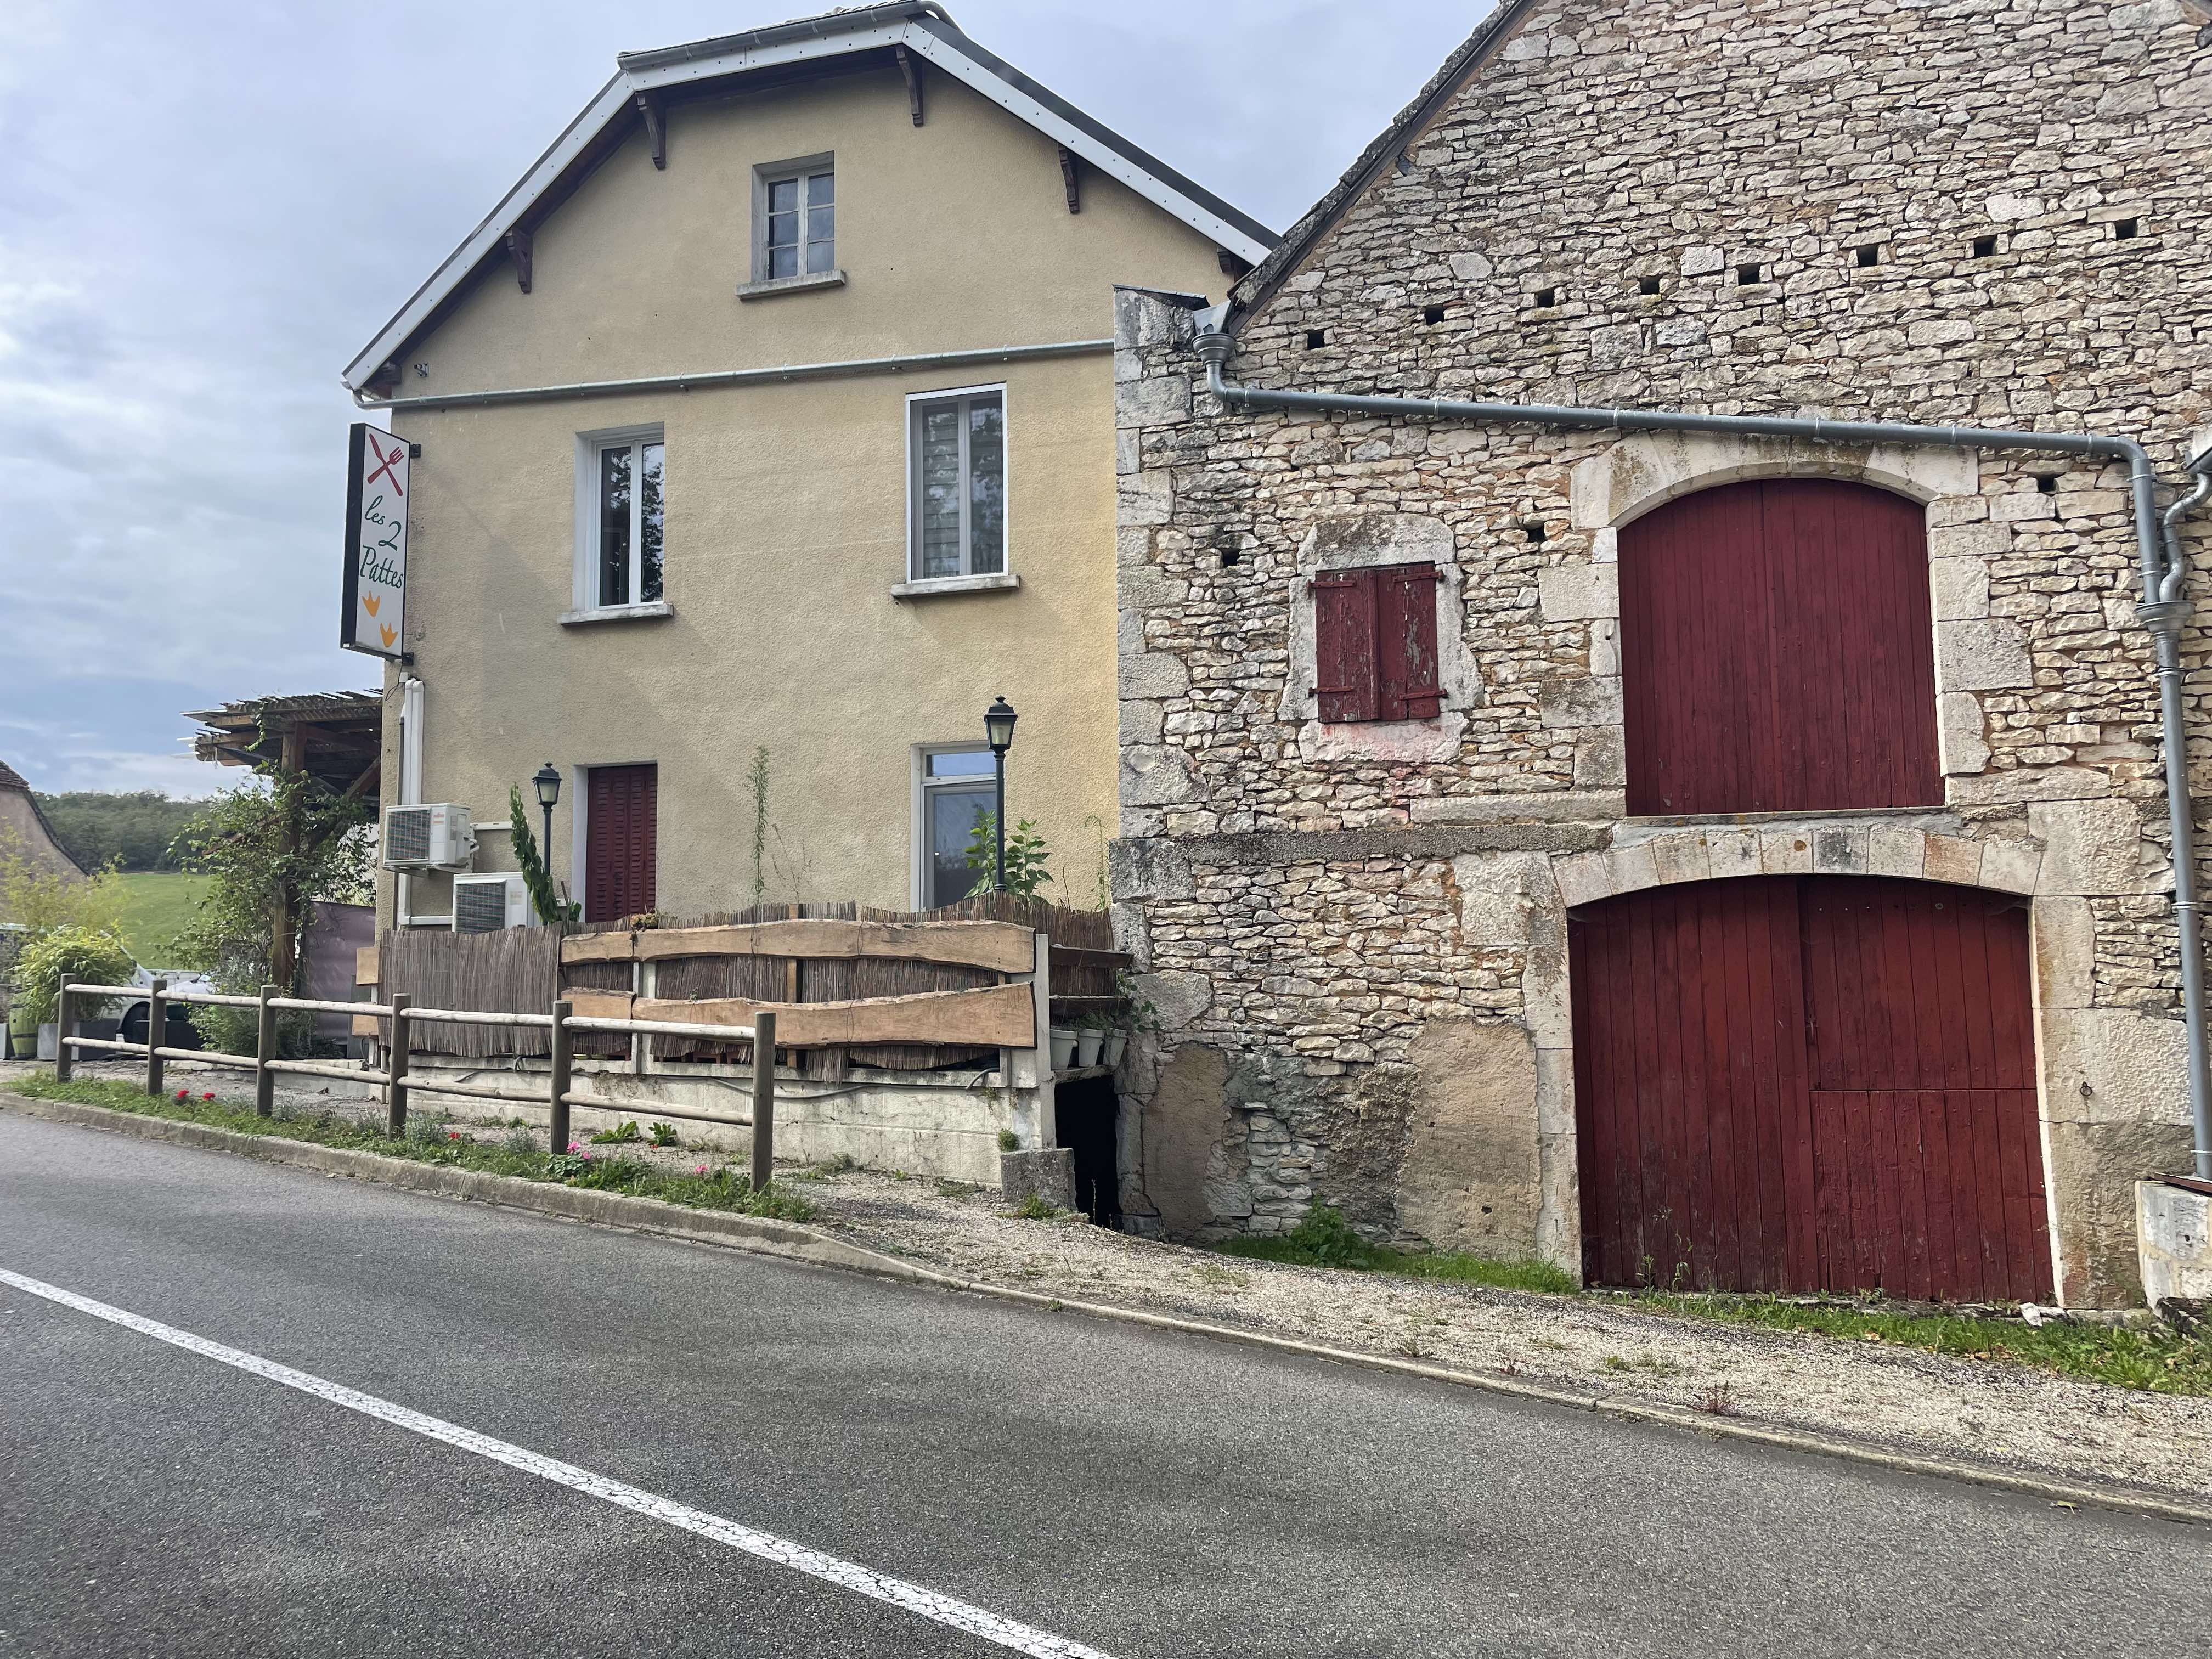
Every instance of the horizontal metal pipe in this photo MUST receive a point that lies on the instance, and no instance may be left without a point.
(910, 363)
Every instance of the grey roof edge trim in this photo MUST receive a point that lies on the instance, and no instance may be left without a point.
(821, 27)
(868, 29)
(1144, 159)
(1260, 284)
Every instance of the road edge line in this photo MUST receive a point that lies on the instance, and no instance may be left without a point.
(791, 1242)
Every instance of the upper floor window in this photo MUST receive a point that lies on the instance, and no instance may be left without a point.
(621, 518)
(795, 220)
(1776, 652)
(957, 514)
(1375, 643)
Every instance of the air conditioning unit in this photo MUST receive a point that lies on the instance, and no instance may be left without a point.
(486, 905)
(438, 836)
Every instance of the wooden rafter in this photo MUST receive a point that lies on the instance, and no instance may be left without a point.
(518, 249)
(912, 73)
(656, 128)
(1071, 178)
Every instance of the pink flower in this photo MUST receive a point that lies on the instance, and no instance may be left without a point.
(576, 1146)
(702, 1169)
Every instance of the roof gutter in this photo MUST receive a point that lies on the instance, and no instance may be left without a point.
(2162, 612)
(924, 362)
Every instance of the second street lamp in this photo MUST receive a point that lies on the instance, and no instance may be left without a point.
(998, 729)
(547, 779)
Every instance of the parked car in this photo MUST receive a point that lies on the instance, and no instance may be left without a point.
(179, 1031)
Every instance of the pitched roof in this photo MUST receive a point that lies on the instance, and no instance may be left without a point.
(11, 779)
(774, 55)
(1253, 291)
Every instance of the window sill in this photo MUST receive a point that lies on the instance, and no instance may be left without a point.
(1000, 582)
(616, 613)
(776, 285)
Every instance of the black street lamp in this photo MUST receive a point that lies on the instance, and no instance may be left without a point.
(998, 729)
(548, 779)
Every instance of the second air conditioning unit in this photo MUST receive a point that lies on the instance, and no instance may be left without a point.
(488, 904)
(438, 836)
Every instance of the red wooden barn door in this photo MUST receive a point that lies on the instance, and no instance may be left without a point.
(621, 842)
(1809, 1083)
(1776, 653)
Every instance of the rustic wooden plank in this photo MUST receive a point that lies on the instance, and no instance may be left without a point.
(604, 1005)
(365, 962)
(599, 947)
(1000, 945)
(995, 1015)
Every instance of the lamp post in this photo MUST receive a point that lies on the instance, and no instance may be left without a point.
(998, 729)
(548, 781)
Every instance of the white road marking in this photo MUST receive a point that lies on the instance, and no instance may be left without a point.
(914, 1598)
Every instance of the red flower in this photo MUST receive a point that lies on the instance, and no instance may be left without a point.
(209, 1095)
(184, 1094)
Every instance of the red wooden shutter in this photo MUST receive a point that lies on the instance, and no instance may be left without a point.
(622, 842)
(1344, 645)
(1406, 642)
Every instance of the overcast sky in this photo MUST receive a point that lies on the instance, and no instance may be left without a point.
(207, 208)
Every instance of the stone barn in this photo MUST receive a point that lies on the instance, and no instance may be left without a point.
(24, 831)
(1641, 739)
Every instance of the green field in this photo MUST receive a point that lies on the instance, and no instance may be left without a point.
(160, 903)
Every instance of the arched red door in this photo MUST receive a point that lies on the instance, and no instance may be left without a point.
(1776, 652)
(1810, 1083)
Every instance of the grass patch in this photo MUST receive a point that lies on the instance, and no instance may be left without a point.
(2159, 1360)
(430, 1141)
(1325, 1239)
(156, 905)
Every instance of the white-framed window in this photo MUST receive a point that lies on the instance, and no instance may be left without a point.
(953, 786)
(957, 482)
(621, 518)
(795, 219)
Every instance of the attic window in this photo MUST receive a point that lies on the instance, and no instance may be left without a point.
(1546, 298)
(1647, 284)
(1316, 338)
(2126, 230)
(1869, 254)
(1432, 313)
(1985, 247)
(1748, 276)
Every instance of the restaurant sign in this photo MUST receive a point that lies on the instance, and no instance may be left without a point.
(375, 616)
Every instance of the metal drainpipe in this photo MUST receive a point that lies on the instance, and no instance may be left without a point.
(2163, 611)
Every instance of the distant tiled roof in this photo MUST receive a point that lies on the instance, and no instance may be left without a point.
(11, 779)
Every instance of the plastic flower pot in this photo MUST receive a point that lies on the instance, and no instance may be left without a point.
(1117, 1040)
(1063, 1048)
(1086, 1045)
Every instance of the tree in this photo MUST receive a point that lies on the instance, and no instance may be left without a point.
(270, 846)
(39, 899)
(133, 830)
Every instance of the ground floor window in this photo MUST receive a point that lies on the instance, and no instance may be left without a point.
(956, 795)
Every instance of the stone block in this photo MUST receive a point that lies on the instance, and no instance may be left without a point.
(1981, 656)
(1583, 702)
(1184, 1124)
(1584, 878)
(1734, 853)
(1149, 869)
(1979, 540)
(1839, 851)
(1177, 997)
(2114, 1066)
(1141, 720)
(1894, 850)
(1785, 852)
(1153, 674)
(1577, 593)
(2010, 866)
(1146, 498)
(1951, 858)
(1604, 648)
(1681, 858)
(2093, 1172)
(1601, 759)
(2063, 934)
(1555, 1091)
(2089, 847)
(1635, 868)
(1155, 776)
(1156, 400)
(1047, 1173)
(1961, 732)
(1959, 589)
(1469, 1179)
(2173, 1241)
(1498, 892)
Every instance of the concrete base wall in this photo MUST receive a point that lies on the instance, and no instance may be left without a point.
(2174, 1229)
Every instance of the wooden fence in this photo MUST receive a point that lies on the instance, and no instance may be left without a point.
(400, 1027)
(895, 991)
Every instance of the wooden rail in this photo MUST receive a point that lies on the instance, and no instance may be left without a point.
(395, 1080)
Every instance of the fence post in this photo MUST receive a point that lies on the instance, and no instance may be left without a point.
(395, 1067)
(763, 1099)
(157, 1028)
(557, 1134)
(64, 1057)
(265, 1050)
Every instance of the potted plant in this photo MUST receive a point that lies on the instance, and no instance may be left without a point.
(1063, 1046)
(1090, 1036)
(1117, 1040)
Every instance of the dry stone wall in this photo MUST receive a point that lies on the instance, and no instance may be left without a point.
(1661, 205)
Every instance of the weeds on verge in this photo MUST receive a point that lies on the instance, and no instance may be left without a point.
(1325, 1239)
(625, 1130)
(1034, 1208)
(517, 1155)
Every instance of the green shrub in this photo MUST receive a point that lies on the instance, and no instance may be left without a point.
(626, 1130)
(88, 956)
(1009, 1141)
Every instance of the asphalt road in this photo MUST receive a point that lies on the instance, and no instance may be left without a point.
(1141, 1494)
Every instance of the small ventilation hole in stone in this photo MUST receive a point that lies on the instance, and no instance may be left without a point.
(2126, 230)
(1984, 246)
(1546, 298)
(2048, 484)
(1647, 284)
(1532, 529)
(1316, 338)
(1432, 313)
(1869, 254)
(1746, 275)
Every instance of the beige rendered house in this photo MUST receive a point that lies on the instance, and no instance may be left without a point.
(774, 409)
